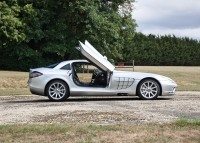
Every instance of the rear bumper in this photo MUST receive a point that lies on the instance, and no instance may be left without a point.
(35, 89)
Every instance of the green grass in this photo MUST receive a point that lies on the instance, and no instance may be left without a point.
(187, 78)
(185, 122)
(180, 131)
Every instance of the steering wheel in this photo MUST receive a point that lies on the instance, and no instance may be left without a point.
(95, 72)
(94, 75)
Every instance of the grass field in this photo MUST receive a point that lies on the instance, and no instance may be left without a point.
(13, 83)
(182, 131)
(187, 78)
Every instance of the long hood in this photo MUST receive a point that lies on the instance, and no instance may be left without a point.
(140, 75)
(94, 56)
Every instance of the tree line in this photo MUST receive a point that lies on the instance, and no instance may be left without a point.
(167, 50)
(36, 33)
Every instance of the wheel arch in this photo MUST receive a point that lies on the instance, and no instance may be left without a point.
(56, 79)
(151, 79)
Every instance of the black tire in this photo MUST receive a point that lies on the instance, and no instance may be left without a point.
(57, 90)
(148, 89)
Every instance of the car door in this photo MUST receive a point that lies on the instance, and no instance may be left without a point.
(88, 51)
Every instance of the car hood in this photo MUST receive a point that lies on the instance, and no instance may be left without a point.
(141, 75)
(88, 51)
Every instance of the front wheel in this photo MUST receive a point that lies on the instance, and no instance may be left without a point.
(57, 90)
(148, 89)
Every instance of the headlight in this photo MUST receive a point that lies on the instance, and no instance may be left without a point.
(166, 78)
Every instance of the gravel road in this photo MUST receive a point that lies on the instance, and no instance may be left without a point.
(99, 110)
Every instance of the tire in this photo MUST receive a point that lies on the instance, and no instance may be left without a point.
(57, 90)
(148, 89)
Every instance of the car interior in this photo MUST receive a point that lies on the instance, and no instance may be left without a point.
(88, 75)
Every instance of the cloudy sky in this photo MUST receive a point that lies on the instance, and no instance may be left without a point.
(178, 17)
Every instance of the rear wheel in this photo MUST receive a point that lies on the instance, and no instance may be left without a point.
(57, 90)
(148, 89)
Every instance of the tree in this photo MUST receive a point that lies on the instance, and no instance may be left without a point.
(40, 32)
(163, 50)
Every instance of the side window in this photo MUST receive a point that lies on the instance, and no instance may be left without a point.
(52, 66)
(84, 71)
(66, 67)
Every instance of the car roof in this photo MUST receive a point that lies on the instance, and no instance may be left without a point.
(63, 63)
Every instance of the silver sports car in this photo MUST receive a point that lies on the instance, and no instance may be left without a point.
(95, 76)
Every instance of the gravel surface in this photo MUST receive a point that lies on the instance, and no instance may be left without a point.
(99, 110)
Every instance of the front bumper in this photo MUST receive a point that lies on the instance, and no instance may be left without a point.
(168, 87)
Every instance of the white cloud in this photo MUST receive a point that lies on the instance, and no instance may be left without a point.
(178, 17)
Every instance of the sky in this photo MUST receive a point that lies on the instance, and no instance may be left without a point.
(160, 17)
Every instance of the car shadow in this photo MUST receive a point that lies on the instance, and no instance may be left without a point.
(87, 99)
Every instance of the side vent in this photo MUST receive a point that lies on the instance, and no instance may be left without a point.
(123, 82)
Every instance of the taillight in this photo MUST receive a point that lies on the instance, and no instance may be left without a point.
(35, 74)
